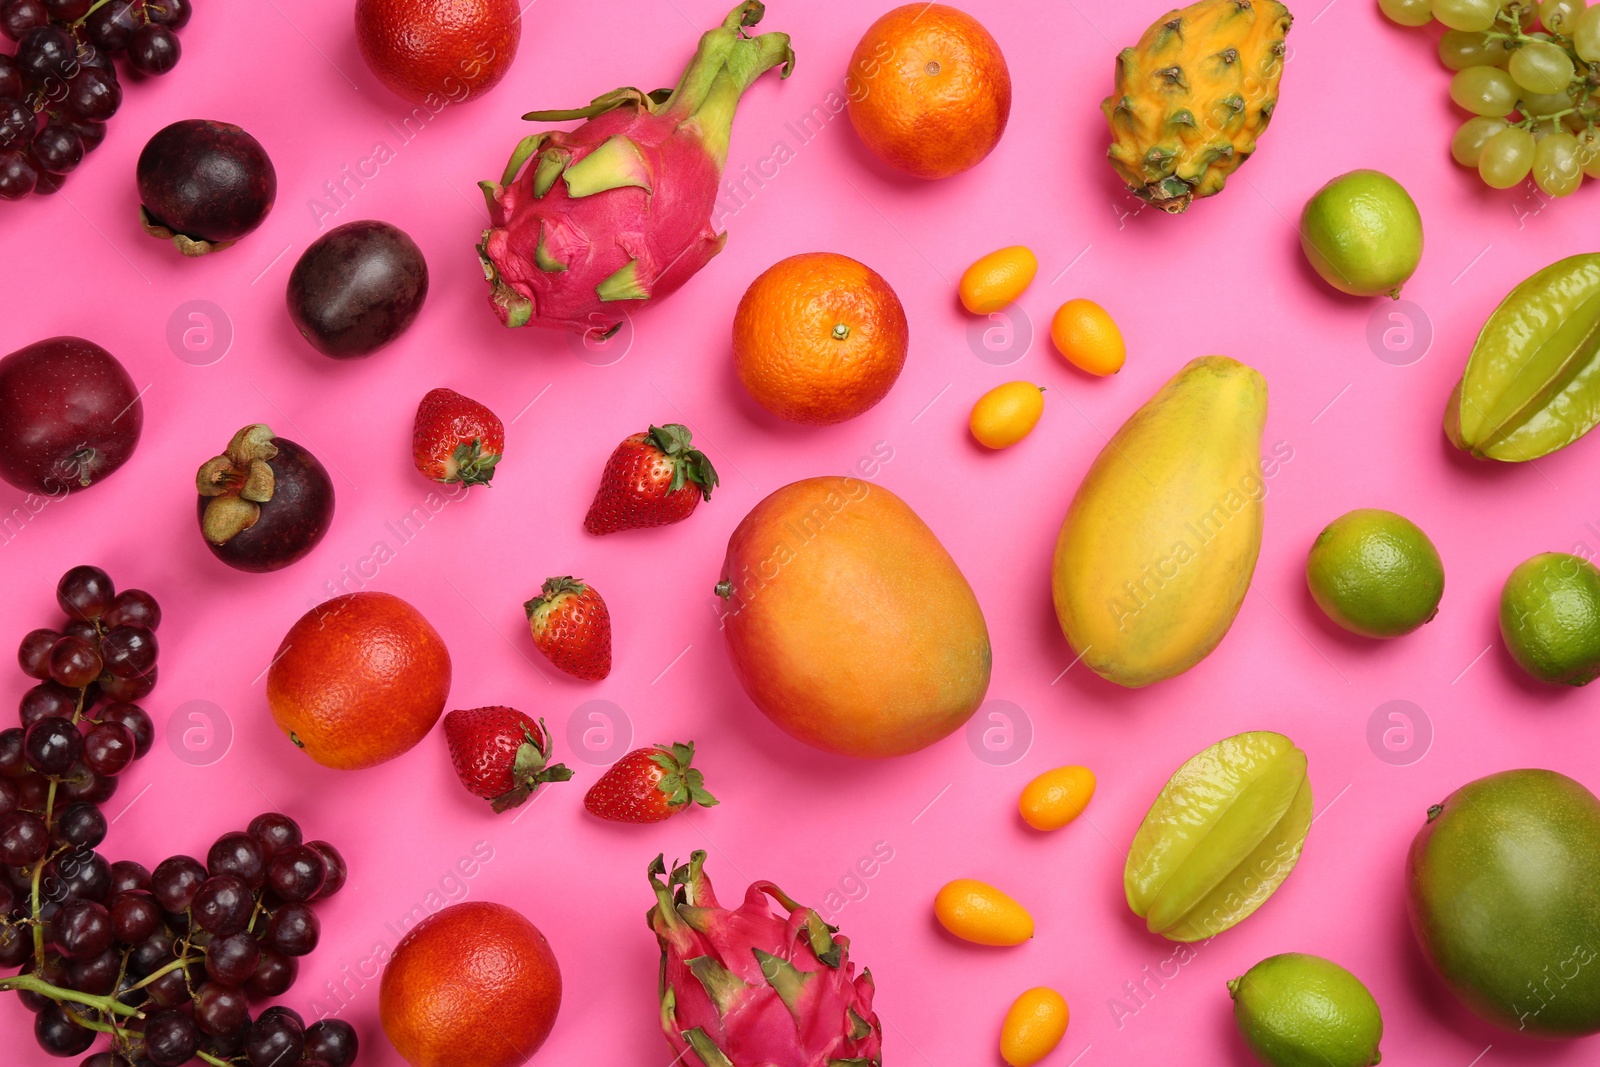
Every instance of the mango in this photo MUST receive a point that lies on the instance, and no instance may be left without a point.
(1501, 892)
(847, 622)
(1161, 538)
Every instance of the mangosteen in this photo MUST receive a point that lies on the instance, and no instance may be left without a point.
(264, 503)
(204, 185)
(358, 287)
(69, 416)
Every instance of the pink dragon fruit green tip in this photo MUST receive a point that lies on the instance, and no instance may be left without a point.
(755, 987)
(590, 224)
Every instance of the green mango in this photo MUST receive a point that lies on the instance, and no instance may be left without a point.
(1502, 885)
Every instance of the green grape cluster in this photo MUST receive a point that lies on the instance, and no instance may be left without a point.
(1529, 73)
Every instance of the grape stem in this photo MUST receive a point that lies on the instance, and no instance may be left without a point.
(38, 868)
(34, 984)
(96, 6)
(38, 873)
(181, 961)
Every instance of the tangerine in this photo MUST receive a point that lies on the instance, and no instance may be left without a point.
(928, 90)
(359, 680)
(819, 338)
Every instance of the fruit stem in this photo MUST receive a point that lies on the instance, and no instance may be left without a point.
(82, 458)
(96, 6)
(181, 961)
(32, 983)
(38, 872)
(724, 66)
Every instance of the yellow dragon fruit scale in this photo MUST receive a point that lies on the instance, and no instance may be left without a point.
(1192, 97)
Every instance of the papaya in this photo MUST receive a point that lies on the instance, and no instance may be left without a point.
(1160, 541)
(1501, 894)
(847, 622)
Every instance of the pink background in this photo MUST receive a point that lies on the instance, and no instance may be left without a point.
(1228, 277)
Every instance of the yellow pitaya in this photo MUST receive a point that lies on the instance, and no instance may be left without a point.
(1192, 97)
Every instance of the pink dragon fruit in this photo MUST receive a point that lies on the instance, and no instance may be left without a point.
(588, 224)
(750, 988)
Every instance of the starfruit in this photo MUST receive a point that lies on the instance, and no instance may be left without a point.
(1223, 834)
(1532, 383)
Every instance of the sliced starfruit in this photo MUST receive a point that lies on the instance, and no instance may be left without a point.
(1223, 834)
(1532, 383)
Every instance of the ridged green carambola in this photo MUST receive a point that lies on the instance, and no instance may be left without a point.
(1193, 96)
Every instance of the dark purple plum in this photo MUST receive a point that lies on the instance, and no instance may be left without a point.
(69, 416)
(204, 185)
(264, 503)
(357, 288)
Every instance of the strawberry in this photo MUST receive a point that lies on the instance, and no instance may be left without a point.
(652, 479)
(500, 754)
(572, 627)
(648, 785)
(456, 439)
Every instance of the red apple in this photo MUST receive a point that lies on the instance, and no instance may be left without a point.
(69, 415)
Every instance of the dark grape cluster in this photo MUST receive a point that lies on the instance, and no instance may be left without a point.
(60, 87)
(167, 962)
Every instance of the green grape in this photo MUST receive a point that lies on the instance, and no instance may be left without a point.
(1559, 15)
(1586, 35)
(1467, 145)
(1525, 12)
(1535, 105)
(1470, 15)
(1506, 158)
(1589, 152)
(1575, 122)
(1407, 12)
(1459, 50)
(1555, 164)
(1484, 91)
(1541, 67)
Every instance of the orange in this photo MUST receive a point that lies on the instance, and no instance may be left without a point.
(475, 983)
(438, 52)
(359, 680)
(1086, 334)
(819, 338)
(997, 279)
(928, 90)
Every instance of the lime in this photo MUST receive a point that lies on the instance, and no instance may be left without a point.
(1362, 233)
(1375, 573)
(1550, 618)
(1298, 1010)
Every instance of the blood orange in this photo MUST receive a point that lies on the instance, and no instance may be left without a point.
(359, 680)
(438, 51)
(473, 984)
